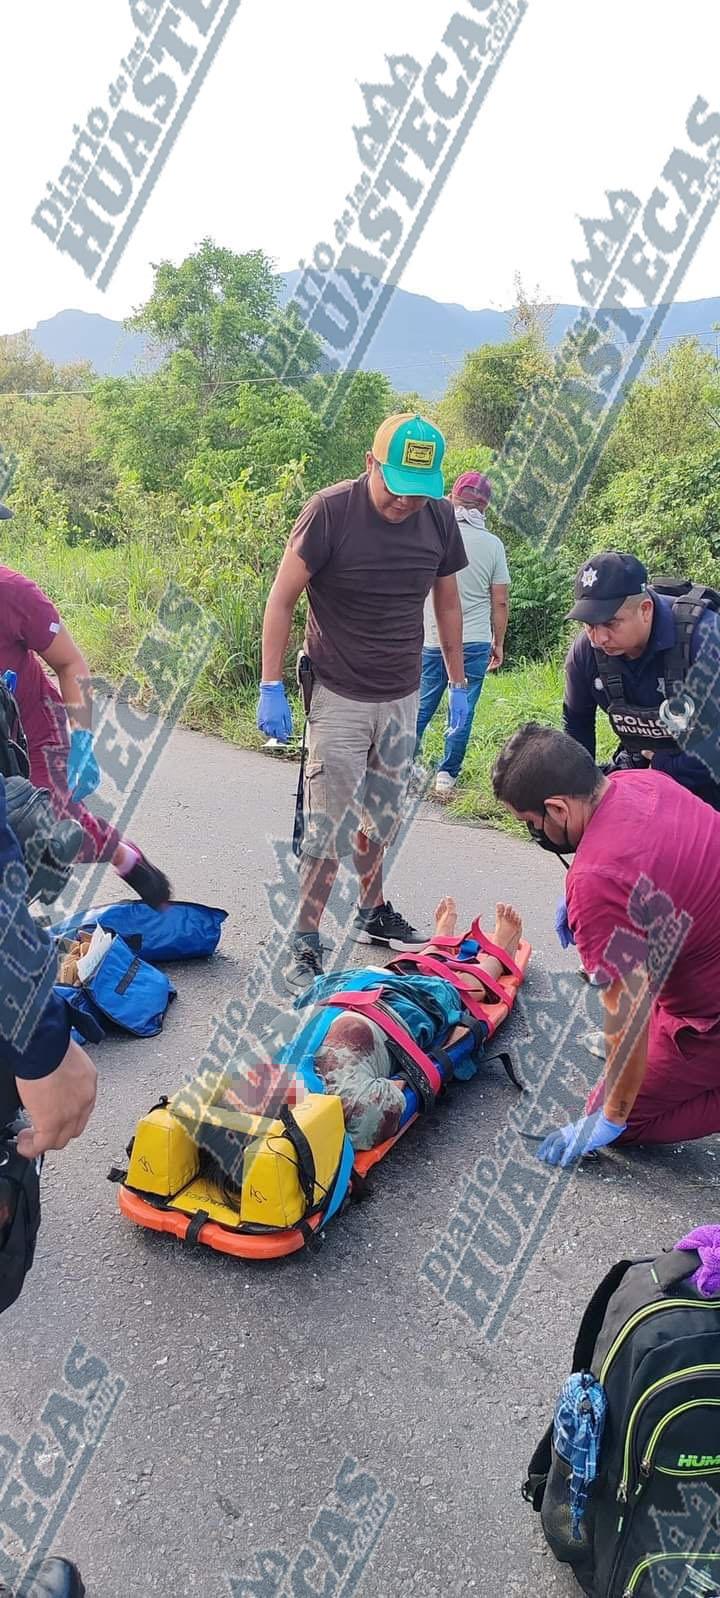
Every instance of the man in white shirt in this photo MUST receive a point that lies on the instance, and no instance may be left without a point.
(483, 587)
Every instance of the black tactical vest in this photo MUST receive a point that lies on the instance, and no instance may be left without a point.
(641, 727)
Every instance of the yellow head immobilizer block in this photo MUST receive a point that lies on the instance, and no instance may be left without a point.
(166, 1161)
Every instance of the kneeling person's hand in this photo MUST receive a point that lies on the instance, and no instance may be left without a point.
(569, 1144)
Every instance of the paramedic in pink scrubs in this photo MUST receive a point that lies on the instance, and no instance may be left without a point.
(56, 714)
(643, 900)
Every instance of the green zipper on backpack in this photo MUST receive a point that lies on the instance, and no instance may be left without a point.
(694, 1403)
(656, 1559)
(642, 1314)
(666, 1381)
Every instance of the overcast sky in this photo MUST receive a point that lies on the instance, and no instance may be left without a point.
(592, 94)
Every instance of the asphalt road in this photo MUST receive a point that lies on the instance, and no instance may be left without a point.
(247, 1389)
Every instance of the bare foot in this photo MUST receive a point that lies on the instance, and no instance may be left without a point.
(507, 931)
(446, 918)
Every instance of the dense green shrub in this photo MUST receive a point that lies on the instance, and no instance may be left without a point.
(540, 597)
(227, 555)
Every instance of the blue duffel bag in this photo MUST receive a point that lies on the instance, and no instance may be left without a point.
(181, 931)
(86, 1027)
(123, 991)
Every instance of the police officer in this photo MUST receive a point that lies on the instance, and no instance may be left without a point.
(46, 1072)
(635, 651)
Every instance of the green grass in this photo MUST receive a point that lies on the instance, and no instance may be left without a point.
(109, 600)
(531, 691)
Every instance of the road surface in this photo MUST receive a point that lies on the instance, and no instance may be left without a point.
(248, 1389)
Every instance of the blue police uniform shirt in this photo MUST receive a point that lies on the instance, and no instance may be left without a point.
(34, 1021)
(644, 686)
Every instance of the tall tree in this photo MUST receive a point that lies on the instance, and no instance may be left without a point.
(485, 396)
(530, 314)
(54, 441)
(216, 306)
(673, 410)
(23, 370)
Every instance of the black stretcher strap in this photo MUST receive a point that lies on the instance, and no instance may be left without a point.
(443, 1059)
(303, 1153)
(195, 1227)
(506, 1062)
(313, 1236)
(408, 1067)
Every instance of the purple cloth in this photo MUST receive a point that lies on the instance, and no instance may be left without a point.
(706, 1241)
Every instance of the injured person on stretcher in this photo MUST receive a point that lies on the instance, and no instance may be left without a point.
(356, 1060)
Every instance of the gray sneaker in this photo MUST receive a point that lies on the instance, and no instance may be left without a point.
(305, 963)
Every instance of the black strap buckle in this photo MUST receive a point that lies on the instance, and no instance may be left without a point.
(195, 1227)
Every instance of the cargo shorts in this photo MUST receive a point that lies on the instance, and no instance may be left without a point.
(357, 772)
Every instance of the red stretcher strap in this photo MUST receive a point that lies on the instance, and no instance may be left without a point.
(488, 947)
(367, 1004)
(447, 969)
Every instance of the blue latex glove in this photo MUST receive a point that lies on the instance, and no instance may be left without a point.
(274, 716)
(83, 771)
(569, 1144)
(562, 925)
(458, 709)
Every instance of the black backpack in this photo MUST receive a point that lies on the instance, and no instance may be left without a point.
(651, 1527)
(690, 601)
(14, 758)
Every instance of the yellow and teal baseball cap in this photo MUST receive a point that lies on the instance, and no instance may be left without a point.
(410, 451)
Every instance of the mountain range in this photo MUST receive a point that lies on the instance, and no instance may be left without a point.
(419, 345)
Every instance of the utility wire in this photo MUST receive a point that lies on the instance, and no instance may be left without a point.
(427, 358)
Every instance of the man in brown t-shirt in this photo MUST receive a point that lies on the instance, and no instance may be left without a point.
(368, 552)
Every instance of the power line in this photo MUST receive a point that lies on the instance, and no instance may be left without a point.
(709, 334)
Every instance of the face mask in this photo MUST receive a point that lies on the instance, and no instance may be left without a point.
(539, 836)
(475, 518)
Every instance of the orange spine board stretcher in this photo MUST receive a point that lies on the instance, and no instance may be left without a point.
(245, 1245)
(275, 1245)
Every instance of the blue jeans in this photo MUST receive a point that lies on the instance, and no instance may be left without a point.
(432, 688)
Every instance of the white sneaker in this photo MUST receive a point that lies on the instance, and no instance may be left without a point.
(444, 784)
